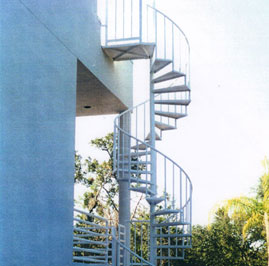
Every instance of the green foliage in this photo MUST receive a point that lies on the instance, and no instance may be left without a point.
(238, 234)
(98, 177)
(222, 244)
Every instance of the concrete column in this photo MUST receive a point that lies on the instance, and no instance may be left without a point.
(37, 121)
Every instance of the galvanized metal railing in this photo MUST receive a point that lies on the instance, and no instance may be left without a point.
(91, 238)
(137, 21)
(174, 185)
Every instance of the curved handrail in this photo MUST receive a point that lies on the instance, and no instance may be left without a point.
(184, 204)
(165, 17)
(160, 12)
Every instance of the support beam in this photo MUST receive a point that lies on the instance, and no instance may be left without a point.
(124, 192)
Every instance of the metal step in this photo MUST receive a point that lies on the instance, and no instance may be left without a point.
(171, 235)
(89, 259)
(159, 64)
(120, 52)
(136, 180)
(169, 224)
(173, 102)
(134, 162)
(138, 154)
(142, 190)
(140, 146)
(173, 246)
(163, 126)
(170, 258)
(180, 88)
(157, 137)
(164, 212)
(170, 114)
(133, 171)
(168, 76)
(155, 200)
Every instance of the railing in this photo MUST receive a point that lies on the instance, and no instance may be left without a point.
(136, 21)
(140, 239)
(174, 184)
(135, 259)
(91, 238)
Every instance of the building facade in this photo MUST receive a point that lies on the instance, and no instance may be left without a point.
(52, 68)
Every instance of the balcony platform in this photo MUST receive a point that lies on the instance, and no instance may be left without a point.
(130, 51)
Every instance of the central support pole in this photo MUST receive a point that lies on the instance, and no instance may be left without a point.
(153, 187)
(124, 192)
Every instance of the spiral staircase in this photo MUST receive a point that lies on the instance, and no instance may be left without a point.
(134, 30)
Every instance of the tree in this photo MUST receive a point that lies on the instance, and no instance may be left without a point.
(98, 178)
(253, 213)
(221, 244)
(101, 196)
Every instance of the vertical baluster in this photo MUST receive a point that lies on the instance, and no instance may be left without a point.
(173, 187)
(135, 237)
(120, 151)
(141, 243)
(180, 188)
(164, 33)
(144, 135)
(140, 21)
(136, 122)
(186, 193)
(169, 243)
(107, 234)
(156, 30)
(106, 22)
(165, 183)
(123, 17)
(116, 15)
(131, 18)
(147, 32)
(148, 240)
(180, 52)
(173, 48)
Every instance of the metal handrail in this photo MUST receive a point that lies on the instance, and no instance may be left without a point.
(165, 17)
(118, 130)
(132, 253)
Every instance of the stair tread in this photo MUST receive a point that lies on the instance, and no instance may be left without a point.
(159, 64)
(163, 126)
(131, 51)
(140, 146)
(134, 162)
(165, 211)
(171, 235)
(136, 171)
(142, 190)
(172, 246)
(170, 224)
(136, 180)
(137, 154)
(168, 76)
(170, 114)
(178, 88)
(155, 200)
(157, 137)
(173, 102)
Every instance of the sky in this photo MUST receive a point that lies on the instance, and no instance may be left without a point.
(226, 134)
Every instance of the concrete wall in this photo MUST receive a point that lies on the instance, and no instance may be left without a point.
(76, 25)
(40, 42)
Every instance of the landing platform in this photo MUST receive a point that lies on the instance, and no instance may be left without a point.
(125, 51)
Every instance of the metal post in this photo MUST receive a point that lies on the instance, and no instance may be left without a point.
(106, 21)
(114, 246)
(124, 192)
(140, 21)
(153, 187)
